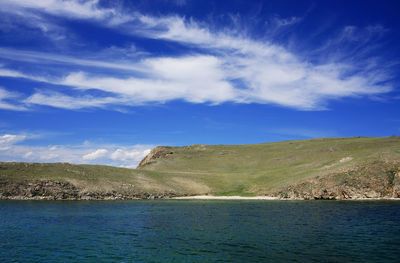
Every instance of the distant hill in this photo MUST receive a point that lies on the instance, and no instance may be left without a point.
(328, 168)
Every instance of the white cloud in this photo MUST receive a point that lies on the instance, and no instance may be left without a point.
(33, 14)
(124, 155)
(28, 154)
(30, 23)
(95, 155)
(198, 79)
(7, 140)
(4, 72)
(42, 58)
(12, 148)
(194, 79)
(68, 8)
(48, 156)
(11, 73)
(229, 66)
(59, 100)
(5, 100)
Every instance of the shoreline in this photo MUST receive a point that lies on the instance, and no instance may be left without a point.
(236, 197)
(224, 197)
(193, 197)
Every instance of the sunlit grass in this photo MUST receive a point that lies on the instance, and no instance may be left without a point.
(244, 170)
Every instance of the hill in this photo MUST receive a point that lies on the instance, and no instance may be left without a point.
(328, 168)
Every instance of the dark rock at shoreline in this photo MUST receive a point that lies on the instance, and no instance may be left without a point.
(57, 190)
(379, 180)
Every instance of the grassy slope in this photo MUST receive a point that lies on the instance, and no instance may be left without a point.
(220, 169)
(262, 168)
(97, 178)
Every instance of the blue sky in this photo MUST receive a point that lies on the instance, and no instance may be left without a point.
(103, 82)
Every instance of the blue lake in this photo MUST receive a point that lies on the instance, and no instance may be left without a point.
(199, 231)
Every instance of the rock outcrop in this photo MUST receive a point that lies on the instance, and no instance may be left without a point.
(371, 181)
(157, 153)
(57, 190)
(37, 189)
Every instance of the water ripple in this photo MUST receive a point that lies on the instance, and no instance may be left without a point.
(199, 231)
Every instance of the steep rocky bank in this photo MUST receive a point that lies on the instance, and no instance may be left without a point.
(159, 152)
(377, 180)
(57, 190)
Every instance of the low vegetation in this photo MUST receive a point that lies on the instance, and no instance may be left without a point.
(327, 168)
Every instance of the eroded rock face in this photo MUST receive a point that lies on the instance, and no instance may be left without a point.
(38, 189)
(56, 190)
(376, 180)
(158, 152)
(335, 193)
(396, 185)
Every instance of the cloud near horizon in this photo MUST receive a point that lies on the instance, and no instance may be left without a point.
(226, 66)
(12, 148)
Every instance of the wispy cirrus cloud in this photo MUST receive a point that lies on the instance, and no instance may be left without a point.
(6, 98)
(28, 22)
(211, 79)
(49, 58)
(59, 100)
(227, 66)
(7, 140)
(75, 9)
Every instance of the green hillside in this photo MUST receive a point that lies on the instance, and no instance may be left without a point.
(264, 168)
(259, 169)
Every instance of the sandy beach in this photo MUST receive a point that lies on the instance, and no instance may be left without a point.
(211, 197)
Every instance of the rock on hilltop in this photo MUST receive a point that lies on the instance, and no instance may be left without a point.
(327, 168)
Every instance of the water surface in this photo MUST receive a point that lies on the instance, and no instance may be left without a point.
(199, 231)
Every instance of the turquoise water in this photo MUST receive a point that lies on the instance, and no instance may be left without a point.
(199, 231)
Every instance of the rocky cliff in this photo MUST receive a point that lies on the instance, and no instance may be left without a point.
(376, 180)
(159, 152)
(57, 190)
